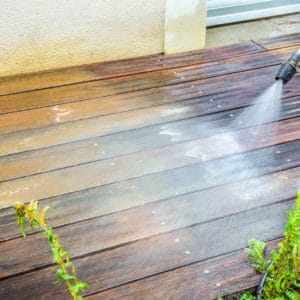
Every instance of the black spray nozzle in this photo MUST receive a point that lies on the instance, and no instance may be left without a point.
(288, 69)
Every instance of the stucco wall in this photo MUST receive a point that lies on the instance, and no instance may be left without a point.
(45, 34)
(185, 25)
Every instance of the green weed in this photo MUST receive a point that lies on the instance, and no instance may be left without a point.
(37, 220)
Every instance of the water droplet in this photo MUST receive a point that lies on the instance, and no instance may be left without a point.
(182, 77)
(112, 163)
(193, 86)
(240, 122)
(218, 284)
(187, 252)
(200, 92)
(95, 144)
(211, 100)
(219, 106)
(164, 65)
(163, 223)
(154, 211)
(176, 240)
(263, 140)
(206, 271)
(103, 152)
(231, 115)
(288, 160)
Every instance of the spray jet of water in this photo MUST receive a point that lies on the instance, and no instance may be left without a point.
(288, 69)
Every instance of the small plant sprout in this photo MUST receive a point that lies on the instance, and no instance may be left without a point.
(37, 220)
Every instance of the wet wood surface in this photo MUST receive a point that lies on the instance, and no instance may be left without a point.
(153, 188)
(85, 73)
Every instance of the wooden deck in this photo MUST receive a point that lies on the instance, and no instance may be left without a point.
(107, 147)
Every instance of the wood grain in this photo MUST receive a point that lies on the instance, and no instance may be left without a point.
(93, 127)
(108, 147)
(62, 113)
(131, 83)
(210, 279)
(160, 253)
(148, 220)
(85, 73)
(153, 187)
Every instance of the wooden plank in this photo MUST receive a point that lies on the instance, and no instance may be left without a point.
(115, 197)
(137, 223)
(132, 165)
(204, 90)
(160, 253)
(108, 147)
(210, 279)
(131, 83)
(99, 126)
(281, 41)
(85, 73)
(61, 113)
(140, 164)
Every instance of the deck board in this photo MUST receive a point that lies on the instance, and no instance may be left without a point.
(92, 72)
(32, 117)
(158, 253)
(120, 144)
(113, 149)
(228, 95)
(136, 82)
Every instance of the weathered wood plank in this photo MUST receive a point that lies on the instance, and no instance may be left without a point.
(159, 208)
(210, 279)
(108, 147)
(61, 113)
(150, 219)
(115, 197)
(60, 77)
(131, 83)
(139, 164)
(230, 95)
(281, 41)
(157, 254)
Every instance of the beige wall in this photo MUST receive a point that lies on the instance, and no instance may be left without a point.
(45, 34)
(185, 25)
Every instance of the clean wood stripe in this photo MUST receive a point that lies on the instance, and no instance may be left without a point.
(108, 147)
(139, 164)
(62, 113)
(236, 85)
(60, 77)
(210, 279)
(280, 41)
(100, 126)
(148, 220)
(131, 83)
(157, 254)
(115, 197)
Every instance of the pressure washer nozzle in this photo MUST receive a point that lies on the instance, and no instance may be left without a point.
(288, 69)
